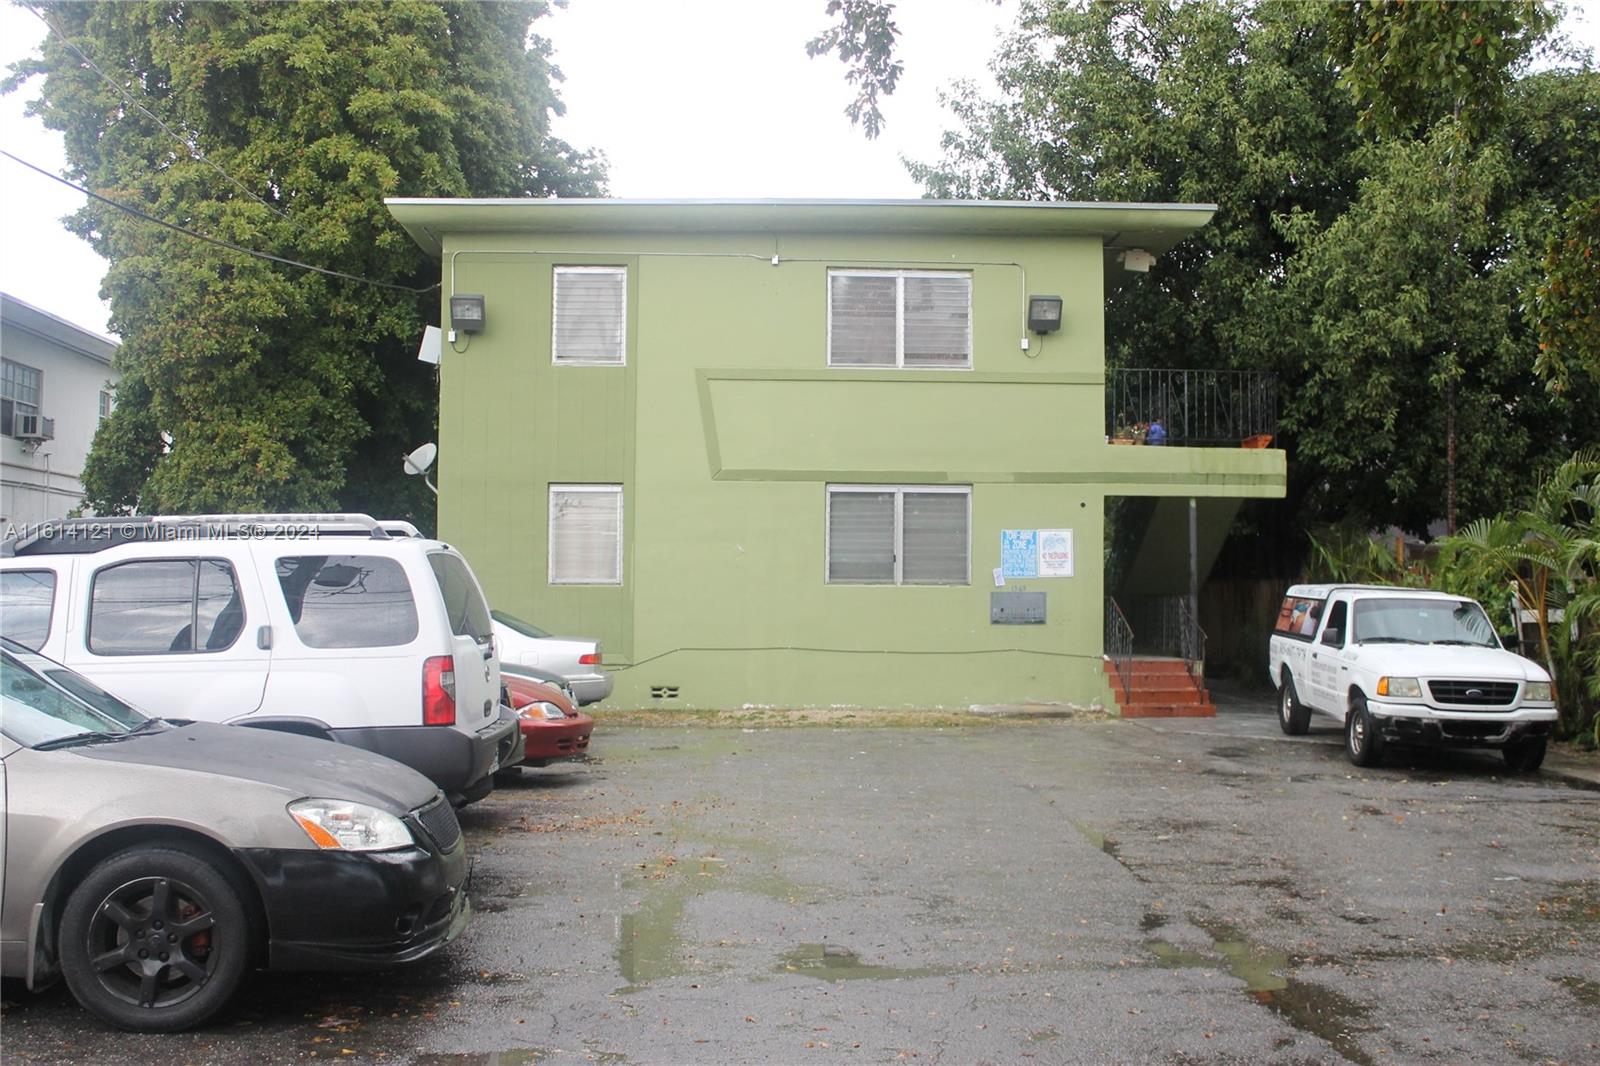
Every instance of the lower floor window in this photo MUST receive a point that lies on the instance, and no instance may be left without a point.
(899, 534)
(585, 534)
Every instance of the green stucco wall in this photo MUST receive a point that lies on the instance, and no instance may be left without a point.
(724, 429)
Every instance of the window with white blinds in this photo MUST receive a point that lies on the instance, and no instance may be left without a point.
(590, 316)
(585, 534)
(900, 318)
(899, 535)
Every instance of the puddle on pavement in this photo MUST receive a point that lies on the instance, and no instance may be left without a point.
(830, 962)
(1307, 1007)
(651, 945)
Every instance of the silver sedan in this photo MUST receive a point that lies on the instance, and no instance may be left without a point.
(154, 863)
(577, 659)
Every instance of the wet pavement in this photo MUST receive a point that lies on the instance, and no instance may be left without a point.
(1053, 892)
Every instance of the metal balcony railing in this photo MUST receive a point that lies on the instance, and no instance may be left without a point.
(1194, 408)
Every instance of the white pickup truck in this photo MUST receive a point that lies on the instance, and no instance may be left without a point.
(1406, 666)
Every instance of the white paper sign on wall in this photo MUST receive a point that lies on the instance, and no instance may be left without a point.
(1055, 553)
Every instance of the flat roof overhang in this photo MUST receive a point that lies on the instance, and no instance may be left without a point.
(1156, 228)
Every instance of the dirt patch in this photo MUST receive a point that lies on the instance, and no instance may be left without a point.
(837, 718)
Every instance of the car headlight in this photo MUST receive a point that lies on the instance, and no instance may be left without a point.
(337, 825)
(1536, 692)
(1405, 688)
(541, 709)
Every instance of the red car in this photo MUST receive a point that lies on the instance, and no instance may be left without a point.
(552, 728)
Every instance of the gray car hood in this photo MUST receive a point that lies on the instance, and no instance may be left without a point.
(304, 766)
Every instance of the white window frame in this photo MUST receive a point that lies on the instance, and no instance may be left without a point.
(550, 533)
(21, 407)
(899, 315)
(104, 411)
(555, 315)
(899, 492)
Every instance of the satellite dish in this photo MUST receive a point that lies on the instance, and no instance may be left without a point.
(419, 461)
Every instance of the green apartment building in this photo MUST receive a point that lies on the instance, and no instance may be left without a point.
(783, 453)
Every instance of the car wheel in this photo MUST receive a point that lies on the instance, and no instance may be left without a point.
(1294, 717)
(1361, 740)
(1525, 756)
(155, 939)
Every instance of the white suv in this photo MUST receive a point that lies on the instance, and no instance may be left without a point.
(315, 624)
(1406, 666)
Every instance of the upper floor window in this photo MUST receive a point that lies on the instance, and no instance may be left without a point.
(20, 387)
(105, 405)
(900, 318)
(590, 316)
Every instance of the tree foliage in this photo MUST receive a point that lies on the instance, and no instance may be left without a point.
(1568, 300)
(281, 128)
(1409, 63)
(1388, 279)
(1547, 549)
(863, 35)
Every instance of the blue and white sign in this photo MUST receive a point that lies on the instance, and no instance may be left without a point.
(1019, 553)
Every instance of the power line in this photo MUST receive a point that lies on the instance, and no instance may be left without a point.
(134, 211)
(187, 143)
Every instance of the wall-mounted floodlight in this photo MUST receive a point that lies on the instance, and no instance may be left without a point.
(432, 345)
(1044, 314)
(1137, 260)
(466, 312)
(420, 460)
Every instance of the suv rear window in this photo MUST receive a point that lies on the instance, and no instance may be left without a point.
(165, 607)
(469, 615)
(348, 601)
(26, 600)
(1298, 617)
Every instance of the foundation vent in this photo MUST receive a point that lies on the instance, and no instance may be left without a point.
(663, 692)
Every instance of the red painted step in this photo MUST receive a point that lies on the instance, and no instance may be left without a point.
(1159, 688)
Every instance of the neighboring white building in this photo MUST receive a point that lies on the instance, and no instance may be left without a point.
(56, 384)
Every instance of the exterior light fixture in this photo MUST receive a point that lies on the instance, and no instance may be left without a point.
(1044, 314)
(1137, 260)
(466, 312)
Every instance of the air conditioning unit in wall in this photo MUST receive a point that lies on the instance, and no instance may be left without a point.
(35, 428)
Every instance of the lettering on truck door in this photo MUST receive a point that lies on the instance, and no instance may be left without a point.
(1327, 659)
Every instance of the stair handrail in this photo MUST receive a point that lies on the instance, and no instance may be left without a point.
(1119, 643)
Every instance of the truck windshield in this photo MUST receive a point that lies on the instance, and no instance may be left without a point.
(1423, 621)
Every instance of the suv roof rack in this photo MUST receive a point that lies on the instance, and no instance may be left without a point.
(80, 536)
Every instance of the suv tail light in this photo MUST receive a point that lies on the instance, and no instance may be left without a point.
(439, 690)
(592, 659)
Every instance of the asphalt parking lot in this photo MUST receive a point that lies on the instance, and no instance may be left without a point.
(1058, 892)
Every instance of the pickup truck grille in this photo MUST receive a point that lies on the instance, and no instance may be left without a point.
(439, 819)
(1484, 694)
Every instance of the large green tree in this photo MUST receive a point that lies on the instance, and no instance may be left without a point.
(1380, 288)
(251, 384)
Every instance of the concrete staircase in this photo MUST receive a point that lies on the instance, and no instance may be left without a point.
(1159, 688)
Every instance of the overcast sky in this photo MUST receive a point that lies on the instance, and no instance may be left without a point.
(687, 98)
